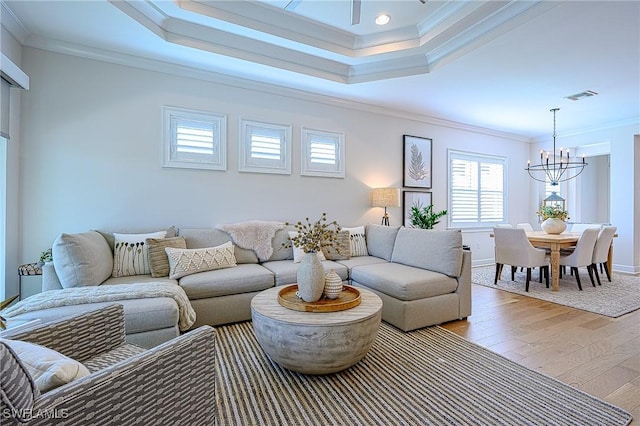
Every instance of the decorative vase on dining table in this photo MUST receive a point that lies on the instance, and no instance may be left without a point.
(310, 278)
(553, 225)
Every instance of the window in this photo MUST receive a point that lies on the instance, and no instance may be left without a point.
(265, 147)
(194, 139)
(322, 153)
(477, 196)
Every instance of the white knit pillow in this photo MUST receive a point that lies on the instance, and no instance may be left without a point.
(131, 254)
(358, 241)
(184, 262)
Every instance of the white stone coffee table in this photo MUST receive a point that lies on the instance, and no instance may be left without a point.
(315, 342)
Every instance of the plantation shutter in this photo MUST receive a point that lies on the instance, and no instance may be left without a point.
(476, 190)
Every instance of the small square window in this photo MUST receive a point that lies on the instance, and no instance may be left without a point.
(194, 139)
(322, 153)
(265, 147)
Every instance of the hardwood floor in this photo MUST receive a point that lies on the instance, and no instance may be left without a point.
(594, 353)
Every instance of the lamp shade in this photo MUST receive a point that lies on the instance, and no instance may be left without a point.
(385, 197)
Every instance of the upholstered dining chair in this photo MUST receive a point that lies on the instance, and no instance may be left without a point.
(513, 248)
(582, 255)
(526, 226)
(601, 251)
(580, 227)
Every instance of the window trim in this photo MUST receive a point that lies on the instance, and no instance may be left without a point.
(247, 164)
(307, 168)
(472, 156)
(219, 124)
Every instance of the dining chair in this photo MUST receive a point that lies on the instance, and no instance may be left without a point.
(582, 255)
(601, 251)
(580, 227)
(526, 226)
(512, 247)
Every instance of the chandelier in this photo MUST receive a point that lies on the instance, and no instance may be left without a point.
(555, 167)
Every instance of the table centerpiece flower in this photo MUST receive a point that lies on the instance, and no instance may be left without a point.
(310, 238)
(553, 219)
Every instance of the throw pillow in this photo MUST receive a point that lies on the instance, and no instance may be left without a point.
(298, 253)
(341, 249)
(48, 368)
(131, 254)
(358, 241)
(184, 262)
(158, 260)
(18, 390)
(172, 231)
(82, 259)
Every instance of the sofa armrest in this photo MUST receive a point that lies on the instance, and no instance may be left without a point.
(81, 336)
(464, 285)
(173, 383)
(50, 280)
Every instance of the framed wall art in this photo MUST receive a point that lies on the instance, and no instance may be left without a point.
(416, 162)
(413, 198)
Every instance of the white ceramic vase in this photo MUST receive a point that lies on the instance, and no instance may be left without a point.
(310, 278)
(332, 285)
(553, 225)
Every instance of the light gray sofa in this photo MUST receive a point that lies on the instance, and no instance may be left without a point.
(423, 278)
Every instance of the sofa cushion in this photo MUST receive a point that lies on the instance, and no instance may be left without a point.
(19, 392)
(184, 262)
(209, 237)
(341, 248)
(286, 271)
(140, 315)
(158, 260)
(358, 241)
(439, 251)
(403, 282)
(82, 259)
(359, 261)
(282, 249)
(244, 278)
(48, 368)
(131, 253)
(380, 240)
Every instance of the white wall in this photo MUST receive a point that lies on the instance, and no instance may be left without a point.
(92, 153)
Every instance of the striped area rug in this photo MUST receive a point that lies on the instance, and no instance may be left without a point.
(425, 377)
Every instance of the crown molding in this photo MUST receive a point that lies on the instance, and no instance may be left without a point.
(271, 36)
(630, 121)
(199, 73)
(11, 22)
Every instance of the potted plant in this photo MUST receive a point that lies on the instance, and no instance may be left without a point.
(424, 217)
(311, 237)
(553, 218)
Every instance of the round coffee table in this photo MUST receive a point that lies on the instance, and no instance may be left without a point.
(315, 342)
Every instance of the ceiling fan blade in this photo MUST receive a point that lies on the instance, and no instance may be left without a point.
(355, 12)
(292, 4)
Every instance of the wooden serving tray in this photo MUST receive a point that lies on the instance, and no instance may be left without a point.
(349, 298)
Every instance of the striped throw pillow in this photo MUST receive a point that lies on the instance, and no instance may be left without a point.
(358, 241)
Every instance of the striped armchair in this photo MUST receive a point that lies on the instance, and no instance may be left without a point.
(172, 383)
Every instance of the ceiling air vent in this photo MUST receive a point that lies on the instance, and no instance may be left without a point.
(578, 96)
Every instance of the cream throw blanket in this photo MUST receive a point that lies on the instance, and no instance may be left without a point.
(254, 235)
(107, 293)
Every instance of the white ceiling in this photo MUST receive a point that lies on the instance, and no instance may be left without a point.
(500, 65)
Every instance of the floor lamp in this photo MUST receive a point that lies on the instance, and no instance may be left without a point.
(385, 197)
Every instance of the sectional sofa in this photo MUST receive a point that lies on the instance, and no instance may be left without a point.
(422, 276)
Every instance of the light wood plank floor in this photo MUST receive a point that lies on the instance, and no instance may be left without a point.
(594, 353)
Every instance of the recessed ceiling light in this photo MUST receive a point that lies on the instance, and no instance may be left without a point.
(383, 19)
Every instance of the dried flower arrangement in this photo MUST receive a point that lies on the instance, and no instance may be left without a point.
(313, 236)
(554, 211)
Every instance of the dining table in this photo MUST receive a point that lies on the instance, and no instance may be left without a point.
(554, 242)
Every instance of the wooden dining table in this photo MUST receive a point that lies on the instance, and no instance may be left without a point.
(555, 242)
